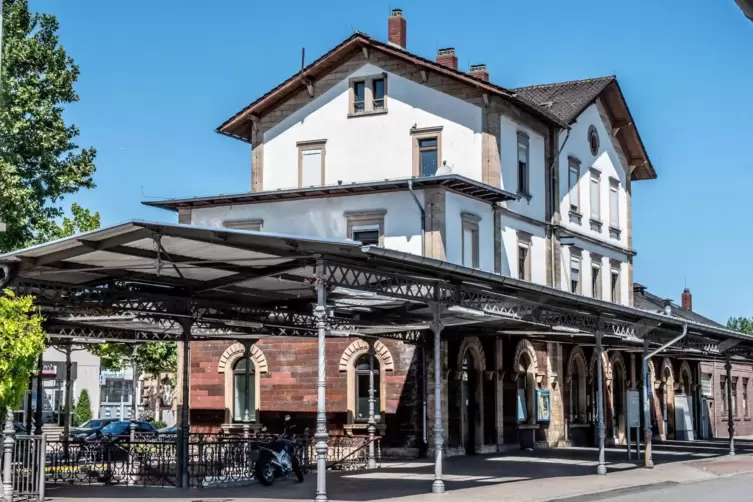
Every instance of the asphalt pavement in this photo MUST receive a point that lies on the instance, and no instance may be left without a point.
(732, 488)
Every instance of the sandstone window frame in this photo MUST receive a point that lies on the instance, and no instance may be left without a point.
(576, 258)
(347, 365)
(422, 133)
(597, 278)
(614, 208)
(525, 242)
(615, 285)
(308, 146)
(369, 107)
(469, 223)
(365, 220)
(523, 146)
(254, 224)
(573, 190)
(226, 366)
(595, 199)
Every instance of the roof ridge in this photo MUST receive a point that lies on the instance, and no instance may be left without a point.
(566, 82)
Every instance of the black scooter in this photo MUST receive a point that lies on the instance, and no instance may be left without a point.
(277, 458)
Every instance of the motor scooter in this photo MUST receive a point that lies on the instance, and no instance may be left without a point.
(277, 458)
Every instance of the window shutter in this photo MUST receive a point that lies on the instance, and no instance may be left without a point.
(311, 168)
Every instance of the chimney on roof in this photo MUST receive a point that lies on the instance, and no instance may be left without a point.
(668, 306)
(687, 299)
(397, 28)
(479, 71)
(446, 57)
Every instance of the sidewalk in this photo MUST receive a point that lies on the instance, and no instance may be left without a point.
(524, 477)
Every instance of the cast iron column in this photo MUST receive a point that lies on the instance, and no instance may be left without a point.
(436, 327)
(40, 398)
(68, 392)
(8, 442)
(371, 461)
(321, 436)
(247, 390)
(730, 422)
(184, 427)
(134, 404)
(649, 463)
(602, 468)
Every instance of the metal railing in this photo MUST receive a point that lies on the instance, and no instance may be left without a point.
(25, 469)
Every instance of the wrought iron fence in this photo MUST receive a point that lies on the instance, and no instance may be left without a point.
(213, 459)
(26, 469)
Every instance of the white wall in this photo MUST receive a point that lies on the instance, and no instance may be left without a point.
(87, 373)
(536, 207)
(325, 217)
(606, 257)
(607, 161)
(455, 205)
(538, 256)
(374, 147)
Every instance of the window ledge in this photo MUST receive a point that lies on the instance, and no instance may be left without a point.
(528, 426)
(737, 419)
(614, 233)
(747, 419)
(352, 115)
(352, 429)
(575, 217)
(595, 225)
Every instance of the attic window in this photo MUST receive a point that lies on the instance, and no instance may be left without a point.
(593, 140)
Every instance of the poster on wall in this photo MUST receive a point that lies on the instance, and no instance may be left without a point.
(522, 408)
(634, 408)
(543, 405)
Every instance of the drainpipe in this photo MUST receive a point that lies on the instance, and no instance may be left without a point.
(423, 217)
(669, 343)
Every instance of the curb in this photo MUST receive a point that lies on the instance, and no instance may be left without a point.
(588, 497)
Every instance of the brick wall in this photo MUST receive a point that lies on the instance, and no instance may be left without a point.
(718, 414)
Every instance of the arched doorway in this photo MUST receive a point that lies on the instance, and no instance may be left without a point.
(667, 400)
(577, 377)
(466, 398)
(619, 398)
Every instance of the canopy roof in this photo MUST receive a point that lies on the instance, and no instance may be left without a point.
(147, 281)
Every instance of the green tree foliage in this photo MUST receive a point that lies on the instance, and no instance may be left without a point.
(741, 324)
(82, 412)
(22, 339)
(154, 358)
(40, 162)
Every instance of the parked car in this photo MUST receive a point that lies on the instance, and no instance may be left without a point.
(173, 429)
(19, 428)
(120, 432)
(90, 427)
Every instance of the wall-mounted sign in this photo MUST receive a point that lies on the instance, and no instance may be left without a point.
(543, 405)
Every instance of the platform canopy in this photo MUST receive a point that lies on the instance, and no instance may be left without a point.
(142, 281)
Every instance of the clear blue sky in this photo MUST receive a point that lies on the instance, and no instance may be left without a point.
(157, 77)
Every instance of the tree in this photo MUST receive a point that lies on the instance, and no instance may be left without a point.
(741, 324)
(22, 339)
(82, 412)
(40, 163)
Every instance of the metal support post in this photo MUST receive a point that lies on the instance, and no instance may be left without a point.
(321, 436)
(68, 393)
(647, 453)
(184, 426)
(371, 461)
(247, 390)
(730, 421)
(8, 442)
(40, 398)
(602, 467)
(436, 327)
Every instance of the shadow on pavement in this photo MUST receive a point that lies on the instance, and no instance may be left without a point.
(401, 479)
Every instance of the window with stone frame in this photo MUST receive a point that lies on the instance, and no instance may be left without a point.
(596, 278)
(734, 397)
(746, 412)
(239, 391)
(575, 270)
(311, 163)
(595, 199)
(614, 208)
(524, 164)
(614, 278)
(524, 255)
(362, 387)
(470, 240)
(573, 177)
(368, 95)
(427, 150)
(366, 227)
(723, 382)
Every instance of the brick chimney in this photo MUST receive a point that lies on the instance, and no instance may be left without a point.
(479, 71)
(687, 299)
(397, 31)
(446, 57)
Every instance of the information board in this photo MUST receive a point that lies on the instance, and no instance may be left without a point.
(634, 408)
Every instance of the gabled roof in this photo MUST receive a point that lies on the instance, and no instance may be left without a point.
(239, 125)
(649, 301)
(454, 182)
(567, 100)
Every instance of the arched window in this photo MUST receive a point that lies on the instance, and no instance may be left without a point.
(239, 391)
(362, 387)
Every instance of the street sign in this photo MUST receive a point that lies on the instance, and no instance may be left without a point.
(634, 408)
